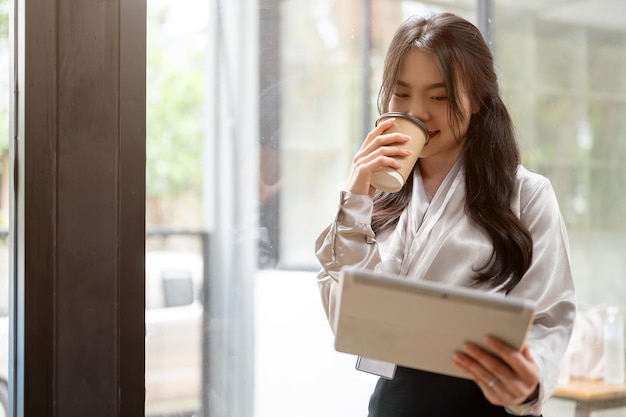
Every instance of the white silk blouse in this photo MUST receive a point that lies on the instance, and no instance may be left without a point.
(436, 240)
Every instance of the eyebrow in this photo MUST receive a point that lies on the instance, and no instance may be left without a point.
(428, 87)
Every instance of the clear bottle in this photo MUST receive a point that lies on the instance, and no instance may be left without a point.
(614, 347)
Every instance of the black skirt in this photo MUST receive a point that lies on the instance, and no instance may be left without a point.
(414, 393)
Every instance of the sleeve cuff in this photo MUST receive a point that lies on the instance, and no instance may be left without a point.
(355, 208)
(531, 408)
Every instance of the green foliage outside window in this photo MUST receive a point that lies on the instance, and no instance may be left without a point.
(4, 104)
(4, 116)
(174, 130)
(4, 19)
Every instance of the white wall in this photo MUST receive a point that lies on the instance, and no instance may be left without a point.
(298, 373)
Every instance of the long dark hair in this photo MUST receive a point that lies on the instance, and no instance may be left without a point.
(490, 152)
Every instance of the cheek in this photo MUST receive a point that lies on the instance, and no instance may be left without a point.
(394, 105)
(461, 129)
(460, 125)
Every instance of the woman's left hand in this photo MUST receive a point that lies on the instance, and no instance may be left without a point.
(506, 376)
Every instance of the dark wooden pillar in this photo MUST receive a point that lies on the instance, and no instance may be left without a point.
(79, 208)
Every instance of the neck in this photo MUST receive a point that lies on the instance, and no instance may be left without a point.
(434, 171)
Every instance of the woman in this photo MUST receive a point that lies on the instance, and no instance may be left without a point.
(470, 215)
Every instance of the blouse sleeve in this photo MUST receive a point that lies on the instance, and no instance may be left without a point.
(349, 240)
(549, 282)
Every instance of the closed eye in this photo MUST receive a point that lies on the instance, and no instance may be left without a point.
(400, 95)
(439, 98)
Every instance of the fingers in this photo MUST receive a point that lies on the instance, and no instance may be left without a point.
(379, 141)
(375, 153)
(379, 129)
(495, 391)
(520, 362)
(489, 373)
(505, 376)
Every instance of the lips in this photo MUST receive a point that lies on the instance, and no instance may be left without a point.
(432, 134)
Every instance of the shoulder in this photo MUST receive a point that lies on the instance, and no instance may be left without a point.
(528, 181)
(533, 192)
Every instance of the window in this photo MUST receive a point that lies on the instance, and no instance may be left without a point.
(253, 118)
(561, 67)
(306, 95)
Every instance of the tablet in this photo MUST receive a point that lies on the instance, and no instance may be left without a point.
(420, 324)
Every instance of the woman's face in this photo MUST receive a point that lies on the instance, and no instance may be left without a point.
(420, 91)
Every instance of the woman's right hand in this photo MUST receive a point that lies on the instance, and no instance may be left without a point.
(375, 153)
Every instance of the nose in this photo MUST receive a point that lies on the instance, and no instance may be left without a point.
(419, 109)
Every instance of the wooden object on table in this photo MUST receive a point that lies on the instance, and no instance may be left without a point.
(592, 394)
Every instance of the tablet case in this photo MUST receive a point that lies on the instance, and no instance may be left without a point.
(420, 324)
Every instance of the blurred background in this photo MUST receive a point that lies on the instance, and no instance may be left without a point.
(254, 111)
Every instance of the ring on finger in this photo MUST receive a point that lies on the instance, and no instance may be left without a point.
(493, 381)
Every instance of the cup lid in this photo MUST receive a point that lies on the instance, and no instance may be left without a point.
(414, 119)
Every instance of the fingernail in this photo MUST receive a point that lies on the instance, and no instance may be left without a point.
(470, 348)
(491, 341)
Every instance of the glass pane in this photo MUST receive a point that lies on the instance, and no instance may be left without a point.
(253, 119)
(562, 66)
(173, 323)
(4, 205)
(563, 70)
(176, 44)
(327, 49)
(325, 56)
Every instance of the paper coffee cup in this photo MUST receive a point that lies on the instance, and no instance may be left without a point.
(391, 180)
